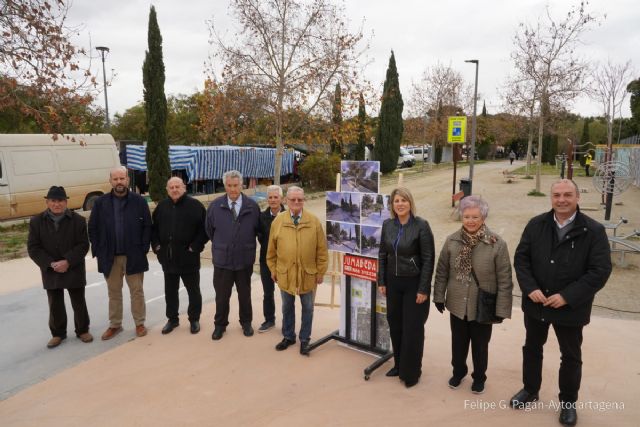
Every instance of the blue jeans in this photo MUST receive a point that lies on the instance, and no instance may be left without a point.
(289, 316)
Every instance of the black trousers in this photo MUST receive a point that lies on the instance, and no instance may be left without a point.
(192, 284)
(268, 300)
(570, 340)
(223, 281)
(58, 312)
(406, 325)
(463, 333)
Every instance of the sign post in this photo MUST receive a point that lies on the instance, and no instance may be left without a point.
(456, 134)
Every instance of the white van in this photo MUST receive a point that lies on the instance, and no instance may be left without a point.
(31, 163)
(421, 152)
(406, 159)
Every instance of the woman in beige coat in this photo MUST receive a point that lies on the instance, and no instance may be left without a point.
(472, 256)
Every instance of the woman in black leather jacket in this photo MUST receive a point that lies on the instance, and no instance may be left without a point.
(405, 267)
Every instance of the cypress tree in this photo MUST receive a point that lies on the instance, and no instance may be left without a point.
(585, 132)
(155, 104)
(362, 135)
(390, 126)
(336, 119)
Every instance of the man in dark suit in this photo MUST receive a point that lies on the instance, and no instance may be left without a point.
(232, 226)
(562, 260)
(178, 238)
(120, 234)
(274, 201)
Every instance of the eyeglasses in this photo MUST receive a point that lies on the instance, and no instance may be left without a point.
(296, 200)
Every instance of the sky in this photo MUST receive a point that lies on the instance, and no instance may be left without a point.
(421, 34)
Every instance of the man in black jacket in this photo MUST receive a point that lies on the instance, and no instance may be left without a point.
(274, 200)
(562, 260)
(120, 235)
(177, 239)
(58, 243)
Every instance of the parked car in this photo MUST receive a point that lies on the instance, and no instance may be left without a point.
(406, 159)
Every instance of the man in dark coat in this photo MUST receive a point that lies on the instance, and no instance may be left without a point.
(562, 260)
(232, 226)
(177, 239)
(120, 234)
(274, 201)
(58, 244)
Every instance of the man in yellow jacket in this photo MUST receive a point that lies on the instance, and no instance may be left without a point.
(297, 258)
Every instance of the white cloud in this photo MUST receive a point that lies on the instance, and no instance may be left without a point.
(421, 33)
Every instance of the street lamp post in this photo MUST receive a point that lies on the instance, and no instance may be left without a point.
(473, 125)
(103, 51)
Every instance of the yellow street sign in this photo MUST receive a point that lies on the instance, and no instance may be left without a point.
(457, 130)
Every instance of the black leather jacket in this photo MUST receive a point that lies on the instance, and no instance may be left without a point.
(413, 256)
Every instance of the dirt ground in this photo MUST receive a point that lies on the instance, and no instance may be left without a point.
(182, 379)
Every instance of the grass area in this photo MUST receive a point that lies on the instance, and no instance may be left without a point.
(548, 169)
(13, 241)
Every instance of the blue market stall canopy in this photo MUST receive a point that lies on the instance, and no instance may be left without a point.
(211, 162)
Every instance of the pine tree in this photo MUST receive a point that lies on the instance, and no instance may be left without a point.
(390, 126)
(362, 135)
(336, 119)
(155, 104)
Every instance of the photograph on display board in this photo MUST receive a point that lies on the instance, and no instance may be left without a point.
(370, 240)
(383, 338)
(361, 310)
(361, 177)
(343, 237)
(343, 207)
(375, 209)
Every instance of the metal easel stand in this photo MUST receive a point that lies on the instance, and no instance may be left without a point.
(384, 355)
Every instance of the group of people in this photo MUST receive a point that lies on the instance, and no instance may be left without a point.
(562, 260)
(121, 230)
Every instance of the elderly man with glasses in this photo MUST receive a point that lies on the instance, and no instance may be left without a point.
(297, 258)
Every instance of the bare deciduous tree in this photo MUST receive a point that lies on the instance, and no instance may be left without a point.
(545, 55)
(441, 91)
(610, 82)
(40, 69)
(293, 51)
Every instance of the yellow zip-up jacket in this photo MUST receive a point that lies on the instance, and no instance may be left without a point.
(297, 255)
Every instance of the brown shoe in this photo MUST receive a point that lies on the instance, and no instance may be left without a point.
(54, 342)
(111, 332)
(86, 337)
(141, 331)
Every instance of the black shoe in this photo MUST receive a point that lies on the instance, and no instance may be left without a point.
(247, 330)
(284, 344)
(522, 398)
(195, 327)
(411, 383)
(218, 331)
(393, 372)
(304, 348)
(170, 326)
(454, 382)
(266, 326)
(477, 387)
(568, 415)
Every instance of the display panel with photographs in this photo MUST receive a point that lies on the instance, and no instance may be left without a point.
(343, 237)
(343, 207)
(359, 176)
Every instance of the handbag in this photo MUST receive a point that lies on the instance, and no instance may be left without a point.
(486, 306)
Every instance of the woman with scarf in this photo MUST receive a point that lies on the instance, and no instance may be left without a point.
(405, 267)
(472, 257)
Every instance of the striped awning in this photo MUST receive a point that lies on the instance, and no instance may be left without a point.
(201, 163)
